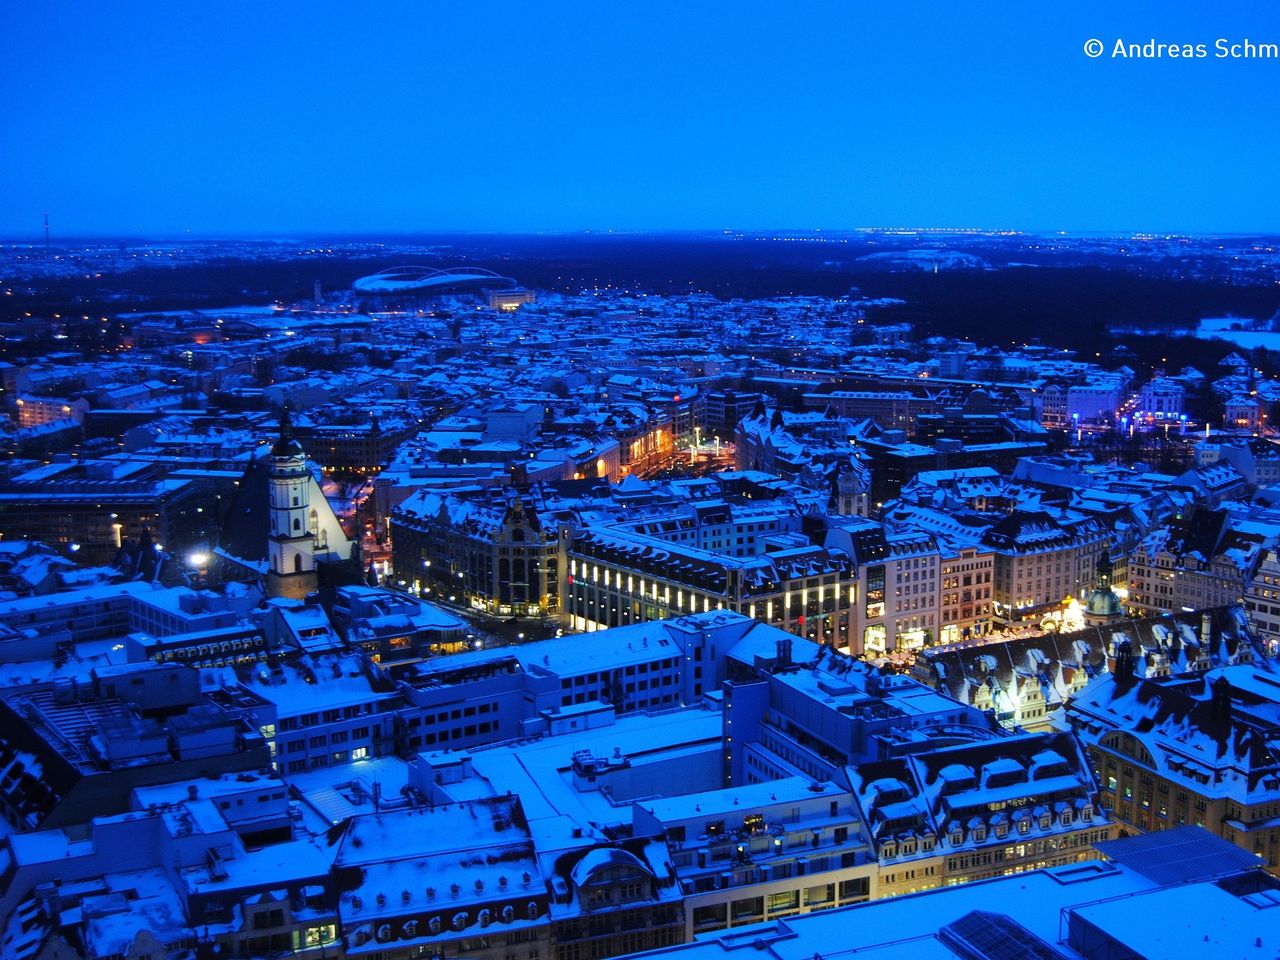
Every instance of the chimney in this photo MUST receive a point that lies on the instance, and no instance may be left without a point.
(1124, 676)
(784, 653)
(1220, 712)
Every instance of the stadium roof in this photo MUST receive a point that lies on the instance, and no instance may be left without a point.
(412, 279)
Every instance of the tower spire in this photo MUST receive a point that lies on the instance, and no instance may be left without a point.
(286, 444)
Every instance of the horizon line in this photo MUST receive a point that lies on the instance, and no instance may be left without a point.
(765, 233)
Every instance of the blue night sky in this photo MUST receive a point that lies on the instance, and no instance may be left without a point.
(282, 117)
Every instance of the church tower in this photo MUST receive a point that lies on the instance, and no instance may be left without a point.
(1103, 606)
(291, 540)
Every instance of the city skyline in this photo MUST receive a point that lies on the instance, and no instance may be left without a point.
(503, 481)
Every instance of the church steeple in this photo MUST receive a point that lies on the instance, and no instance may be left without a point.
(1103, 606)
(286, 444)
(291, 539)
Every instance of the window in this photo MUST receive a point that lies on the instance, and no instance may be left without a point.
(859, 887)
(789, 900)
(824, 893)
(712, 914)
(317, 936)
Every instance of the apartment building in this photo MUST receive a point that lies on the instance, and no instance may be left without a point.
(1190, 748)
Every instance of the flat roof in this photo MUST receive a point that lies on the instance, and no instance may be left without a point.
(1179, 855)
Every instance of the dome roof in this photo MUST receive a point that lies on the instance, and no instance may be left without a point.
(602, 857)
(1103, 602)
(286, 447)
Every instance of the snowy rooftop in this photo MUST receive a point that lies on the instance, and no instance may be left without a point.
(740, 799)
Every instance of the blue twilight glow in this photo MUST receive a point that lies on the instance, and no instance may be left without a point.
(276, 117)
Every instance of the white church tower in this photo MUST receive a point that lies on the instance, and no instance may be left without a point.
(292, 539)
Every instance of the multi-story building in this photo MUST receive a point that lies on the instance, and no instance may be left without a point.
(1191, 748)
(345, 442)
(1262, 600)
(1023, 681)
(498, 553)
(814, 449)
(600, 855)
(157, 880)
(92, 509)
(1256, 458)
(112, 611)
(964, 604)
(1041, 561)
(1244, 411)
(979, 810)
(502, 693)
(455, 878)
(891, 410)
(895, 461)
(1162, 398)
(1065, 406)
(1205, 558)
(391, 626)
(76, 751)
(635, 551)
(615, 898)
(509, 301)
(617, 578)
(646, 445)
(314, 710)
(238, 643)
(761, 851)
(722, 409)
(36, 411)
(896, 601)
(1192, 893)
(942, 790)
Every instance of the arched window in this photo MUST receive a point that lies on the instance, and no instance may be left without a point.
(297, 524)
(297, 563)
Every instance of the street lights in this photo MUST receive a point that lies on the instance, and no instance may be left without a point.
(198, 561)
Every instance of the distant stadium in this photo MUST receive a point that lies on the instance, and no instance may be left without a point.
(432, 281)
